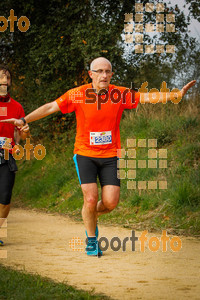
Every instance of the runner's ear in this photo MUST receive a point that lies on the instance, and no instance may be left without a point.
(90, 73)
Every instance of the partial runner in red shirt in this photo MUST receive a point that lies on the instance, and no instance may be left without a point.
(9, 108)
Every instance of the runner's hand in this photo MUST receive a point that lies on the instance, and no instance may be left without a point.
(187, 87)
(25, 128)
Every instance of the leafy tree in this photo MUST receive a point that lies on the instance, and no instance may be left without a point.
(54, 54)
(194, 8)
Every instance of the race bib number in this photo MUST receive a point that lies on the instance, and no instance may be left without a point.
(5, 143)
(101, 138)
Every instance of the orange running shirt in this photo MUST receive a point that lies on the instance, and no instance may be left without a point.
(98, 117)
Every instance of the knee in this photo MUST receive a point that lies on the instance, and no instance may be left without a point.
(90, 202)
(112, 204)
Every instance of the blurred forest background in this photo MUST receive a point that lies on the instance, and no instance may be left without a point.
(54, 56)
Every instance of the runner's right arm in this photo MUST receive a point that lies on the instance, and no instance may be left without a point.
(41, 112)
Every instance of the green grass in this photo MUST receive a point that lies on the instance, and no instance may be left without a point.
(17, 285)
(52, 184)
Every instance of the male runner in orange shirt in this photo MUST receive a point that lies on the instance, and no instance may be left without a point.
(98, 107)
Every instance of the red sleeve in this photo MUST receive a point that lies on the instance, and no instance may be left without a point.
(132, 100)
(66, 102)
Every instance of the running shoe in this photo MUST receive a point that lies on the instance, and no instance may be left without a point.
(93, 249)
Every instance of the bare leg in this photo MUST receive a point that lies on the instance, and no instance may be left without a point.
(110, 199)
(89, 213)
(4, 211)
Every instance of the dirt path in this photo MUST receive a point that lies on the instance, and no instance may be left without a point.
(39, 243)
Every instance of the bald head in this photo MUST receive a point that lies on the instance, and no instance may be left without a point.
(100, 72)
(99, 61)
